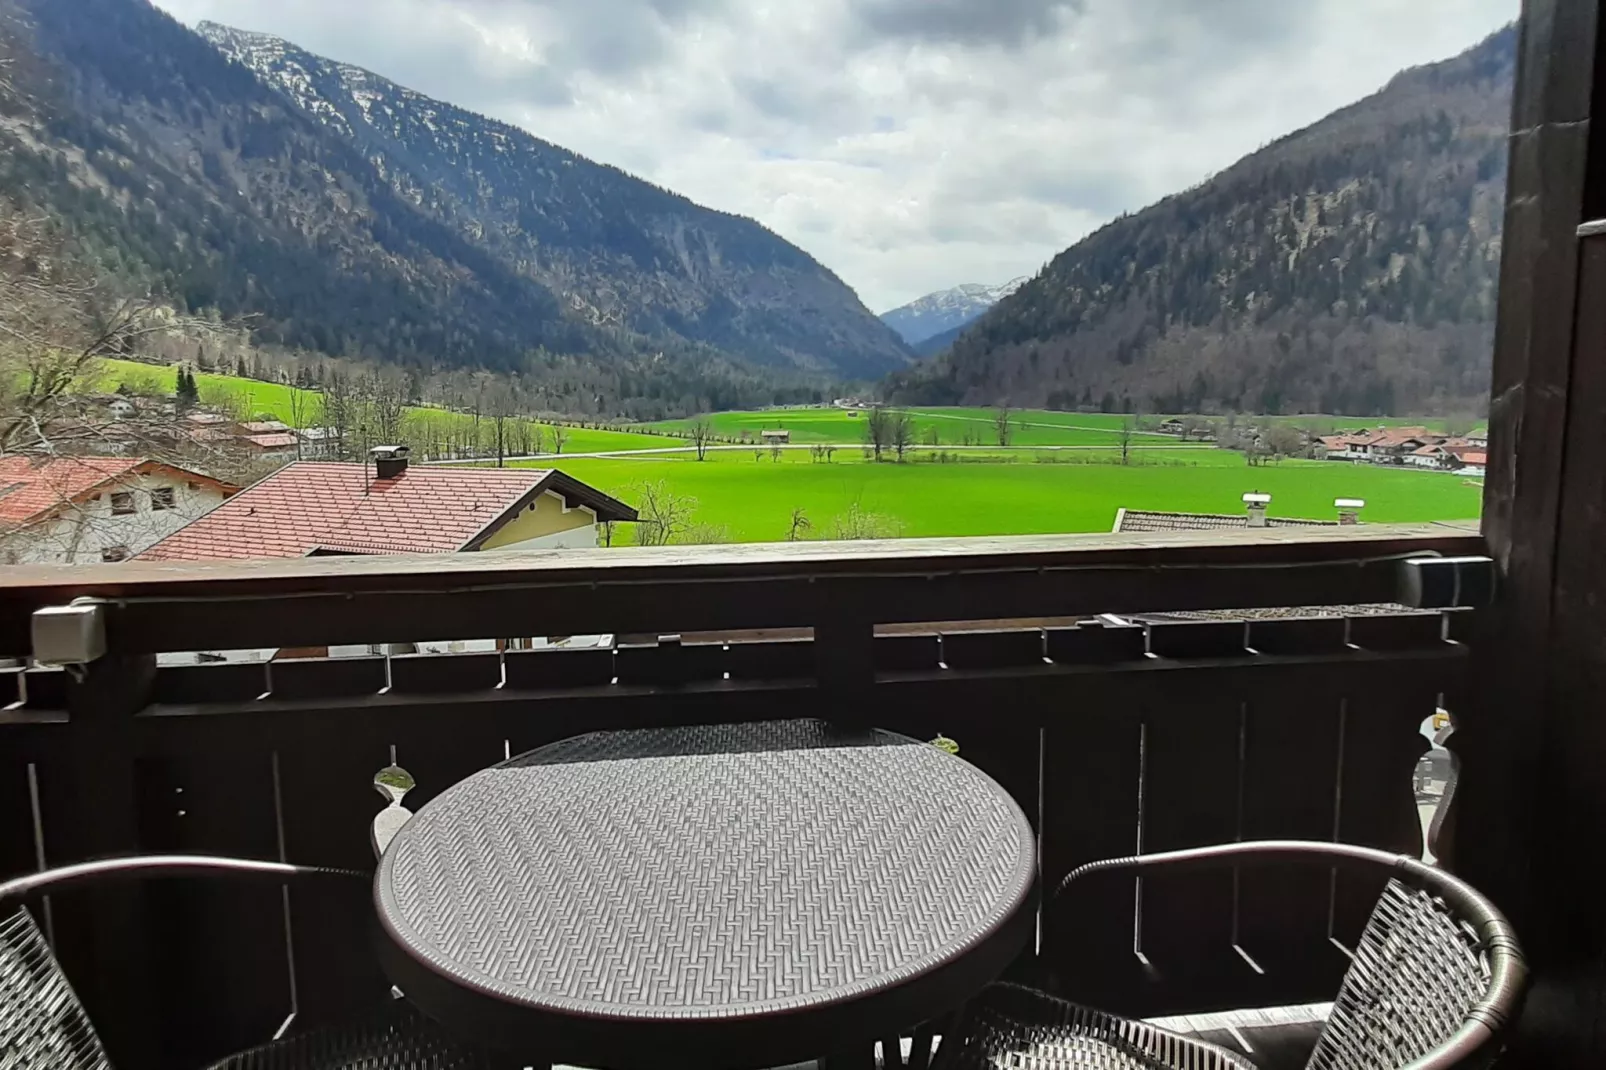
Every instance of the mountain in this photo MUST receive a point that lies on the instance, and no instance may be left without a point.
(1350, 267)
(347, 215)
(945, 310)
(930, 347)
(617, 250)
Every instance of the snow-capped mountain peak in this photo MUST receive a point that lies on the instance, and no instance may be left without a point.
(946, 310)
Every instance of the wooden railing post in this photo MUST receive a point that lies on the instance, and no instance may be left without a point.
(103, 933)
(844, 651)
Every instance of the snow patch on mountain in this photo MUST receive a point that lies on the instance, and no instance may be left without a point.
(946, 310)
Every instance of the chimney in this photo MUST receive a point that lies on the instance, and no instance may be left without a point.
(389, 461)
(1349, 509)
(1256, 504)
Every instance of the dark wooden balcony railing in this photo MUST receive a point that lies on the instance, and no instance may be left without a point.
(1113, 738)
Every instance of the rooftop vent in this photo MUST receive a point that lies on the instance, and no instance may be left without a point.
(1349, 509)
(1256, 504)
(389, 461)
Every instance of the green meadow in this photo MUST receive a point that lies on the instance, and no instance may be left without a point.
(958, 425)
(752, 498)
(949, 426)
(1073, 483)
(252, 397)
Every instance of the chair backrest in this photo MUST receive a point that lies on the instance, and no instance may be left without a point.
(1438, 974)
(1419, 972)
(42, 1024)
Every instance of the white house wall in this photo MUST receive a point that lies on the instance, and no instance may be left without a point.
(584, 537)
(85, 530)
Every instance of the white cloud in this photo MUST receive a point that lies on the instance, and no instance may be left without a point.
(909, 145)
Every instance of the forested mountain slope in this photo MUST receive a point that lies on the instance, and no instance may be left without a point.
(182, 169)
(1350, 267)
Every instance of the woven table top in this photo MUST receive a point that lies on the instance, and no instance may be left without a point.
(707, 874)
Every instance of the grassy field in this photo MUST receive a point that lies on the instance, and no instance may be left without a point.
(955, 425)
(753, 499)
(952, 426)
(256, 398)
(749, 496)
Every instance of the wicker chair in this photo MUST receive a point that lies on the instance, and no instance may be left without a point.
(1436, 977)
(44, 1027)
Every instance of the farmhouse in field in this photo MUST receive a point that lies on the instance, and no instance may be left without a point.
(775, 438)
(1254, 516)
(1412, 446)
(312, 508)
(71, 510)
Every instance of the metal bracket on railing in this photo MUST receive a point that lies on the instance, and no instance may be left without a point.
(1447, 582)
(68, 635)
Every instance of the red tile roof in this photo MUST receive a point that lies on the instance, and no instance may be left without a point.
(1128, 520)
(1475, 458)
(1399, 436)
(32, 486)
(272, 441)
(313, 505)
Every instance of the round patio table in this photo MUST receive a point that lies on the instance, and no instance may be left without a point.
(724, 896)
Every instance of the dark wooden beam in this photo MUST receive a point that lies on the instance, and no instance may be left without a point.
(1530, 739)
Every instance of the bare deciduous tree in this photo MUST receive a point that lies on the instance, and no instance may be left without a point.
(385, 393)
(878, 430)
(301, 405)
(1001, 425)
(560, 435)
(1283, 440)
(1128, 427)
(856, 523)
(701, 433)
(903, 433)
(704, 534)
(662, 514)
(798, 525)
(57, 319)
(339, 412)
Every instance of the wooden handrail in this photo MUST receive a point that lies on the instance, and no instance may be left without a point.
(1293, 545)
(154, 607)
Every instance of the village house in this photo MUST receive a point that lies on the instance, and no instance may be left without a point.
(389, 506)
(318, 509)
(216, 420)
(271, 444)
(319, 443)
(775, 438)
(1413, 446)
(71, 510)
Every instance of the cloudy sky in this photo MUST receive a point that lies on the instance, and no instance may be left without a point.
(910, 145)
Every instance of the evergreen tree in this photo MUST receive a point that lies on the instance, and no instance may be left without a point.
(186, 394)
